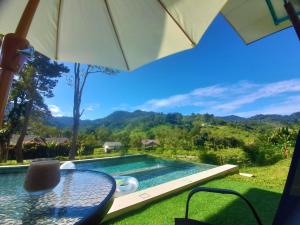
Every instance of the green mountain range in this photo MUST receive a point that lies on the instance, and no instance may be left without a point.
(122, 119)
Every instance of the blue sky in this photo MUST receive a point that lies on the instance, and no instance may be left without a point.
(221, 75)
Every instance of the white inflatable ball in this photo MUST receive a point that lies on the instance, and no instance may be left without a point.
(68, 166)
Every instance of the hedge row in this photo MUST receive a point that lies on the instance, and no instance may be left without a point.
(34, 151)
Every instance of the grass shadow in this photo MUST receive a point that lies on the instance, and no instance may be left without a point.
(207, 207)
(237, 212)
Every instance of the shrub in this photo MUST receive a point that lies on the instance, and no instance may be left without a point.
(209, 157)
(36, 150)
(261, 152)
(234, 156)
(86, 150)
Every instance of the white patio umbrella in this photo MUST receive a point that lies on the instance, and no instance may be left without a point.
(122, 34)
(126, 34)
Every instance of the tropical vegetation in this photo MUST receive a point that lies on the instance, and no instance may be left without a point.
(259, 140)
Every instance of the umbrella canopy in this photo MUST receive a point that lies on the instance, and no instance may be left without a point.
(255, 19)
(122, 34)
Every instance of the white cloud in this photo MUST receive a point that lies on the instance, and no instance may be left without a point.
(208, 91)
(122, 106)
(186, 99)
(265, 91)
(92, 107)
(231, 99)
(89, 108)
(55, 110)
(286, 107)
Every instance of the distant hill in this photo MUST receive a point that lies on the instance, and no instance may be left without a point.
(118, 119)
(293, 118)
(233, 118)
(65, 121)
(121, 119)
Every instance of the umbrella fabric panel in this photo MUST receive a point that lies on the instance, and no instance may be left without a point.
(252, 19)
(194, 16)
(279, 13)
(163, 27)
(86, 34)
(146, 31)
(123, 34)
(68, 30)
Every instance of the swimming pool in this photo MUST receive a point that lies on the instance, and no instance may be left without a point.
(148, 170)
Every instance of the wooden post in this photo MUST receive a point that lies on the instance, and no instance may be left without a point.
(10, 61)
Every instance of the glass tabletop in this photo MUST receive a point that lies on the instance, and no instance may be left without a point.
(79, 195)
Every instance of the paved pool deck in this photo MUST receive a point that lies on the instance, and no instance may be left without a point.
(136, 200)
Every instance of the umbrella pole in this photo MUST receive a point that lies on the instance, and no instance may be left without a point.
(10, 60)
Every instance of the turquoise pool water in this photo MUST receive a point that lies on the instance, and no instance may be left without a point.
(149, 171)
(67, 203)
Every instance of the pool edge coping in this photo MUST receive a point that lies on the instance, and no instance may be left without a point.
(76, 160)
(134, 201)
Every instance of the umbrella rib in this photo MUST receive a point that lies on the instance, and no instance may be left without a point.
(57, 30)
(116, 33)
(177, 23)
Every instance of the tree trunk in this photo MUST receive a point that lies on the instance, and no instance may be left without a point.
(78, 89)
(19, 145)
(4, 145)
(76, 114)
(74, 145)
(76, 121)
(3, 152)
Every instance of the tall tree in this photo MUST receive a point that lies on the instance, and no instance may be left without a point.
(36, 81)
(12, 123)
(81, 73)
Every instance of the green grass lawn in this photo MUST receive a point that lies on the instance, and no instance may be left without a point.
(264, 191)
(14, 163)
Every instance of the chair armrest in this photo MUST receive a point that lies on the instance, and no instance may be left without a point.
(220, 191)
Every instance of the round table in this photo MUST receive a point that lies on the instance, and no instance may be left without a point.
(81, 197)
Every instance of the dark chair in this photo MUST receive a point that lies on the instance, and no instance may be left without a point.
(288, 212)
(187, 221)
